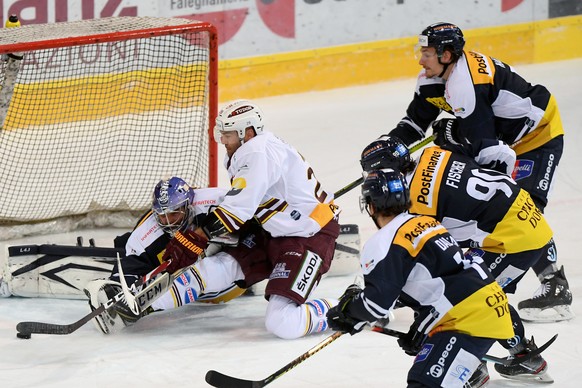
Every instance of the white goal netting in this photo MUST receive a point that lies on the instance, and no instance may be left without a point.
(98, 112)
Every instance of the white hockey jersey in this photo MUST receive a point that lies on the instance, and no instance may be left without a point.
(271, 181)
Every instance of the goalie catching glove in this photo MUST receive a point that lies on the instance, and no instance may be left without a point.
(184, 250)
(337, 317)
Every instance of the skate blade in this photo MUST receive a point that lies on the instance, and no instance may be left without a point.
(481, 383)
(552, 314)
(543, 378)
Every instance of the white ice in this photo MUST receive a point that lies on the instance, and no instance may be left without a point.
(177, 348)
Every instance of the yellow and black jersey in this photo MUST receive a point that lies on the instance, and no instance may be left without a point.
(489, 99)
(415, 260)
(481, 208)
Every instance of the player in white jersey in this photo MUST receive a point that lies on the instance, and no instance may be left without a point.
(460, 310)
(490, 100)
(272, 184)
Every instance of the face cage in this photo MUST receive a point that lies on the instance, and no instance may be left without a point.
(180, 225)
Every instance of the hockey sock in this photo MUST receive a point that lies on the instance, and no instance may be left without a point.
(317, 314)
(547, 263)
(518, 329)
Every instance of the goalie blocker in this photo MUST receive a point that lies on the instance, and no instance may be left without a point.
(62, 271)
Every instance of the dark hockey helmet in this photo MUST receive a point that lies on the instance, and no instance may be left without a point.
(387, 190)
(172, 204)
(386, 152)
(442, 36)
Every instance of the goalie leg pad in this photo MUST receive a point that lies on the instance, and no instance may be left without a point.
(52, 275)
(4, 289)
(346, 259)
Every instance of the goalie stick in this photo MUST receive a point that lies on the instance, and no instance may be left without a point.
(487, 357)
(28, 328)
(360, 180)
(217, 379)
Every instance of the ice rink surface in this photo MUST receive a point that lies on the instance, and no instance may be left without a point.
(177, 348)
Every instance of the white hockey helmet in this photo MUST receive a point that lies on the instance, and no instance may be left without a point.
(238, 116)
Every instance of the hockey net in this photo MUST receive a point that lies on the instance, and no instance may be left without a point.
(95, 113)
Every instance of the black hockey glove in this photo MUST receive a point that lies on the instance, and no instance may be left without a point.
(446, 132)
(412, 341)
(338, 320)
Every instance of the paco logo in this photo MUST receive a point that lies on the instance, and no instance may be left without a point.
(436, 370)
(544, 184)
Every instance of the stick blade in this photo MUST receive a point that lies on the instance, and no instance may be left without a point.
(42, 328)
(217, 379)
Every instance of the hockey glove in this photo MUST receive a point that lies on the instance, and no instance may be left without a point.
(446, 132)
(184, 250)
(339, 320)
(412, 341)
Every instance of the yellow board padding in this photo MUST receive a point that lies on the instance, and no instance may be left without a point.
(366, 63)
(102, 96)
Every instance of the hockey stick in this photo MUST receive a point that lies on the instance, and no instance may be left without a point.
(360, 180)
(139, 301)
(217, 379)
(487, 357)
(27, 328)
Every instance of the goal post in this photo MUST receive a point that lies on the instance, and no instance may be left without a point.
(98, 112)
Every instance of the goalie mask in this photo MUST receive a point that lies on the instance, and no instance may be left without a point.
(172, 205)
(387, 191)
(238, 116)
(387, 152)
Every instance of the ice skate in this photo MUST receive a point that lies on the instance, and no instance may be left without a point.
(552, 302)
(479, 378)
(535, 369)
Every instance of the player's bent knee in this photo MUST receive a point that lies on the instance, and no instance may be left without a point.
(283, 318)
